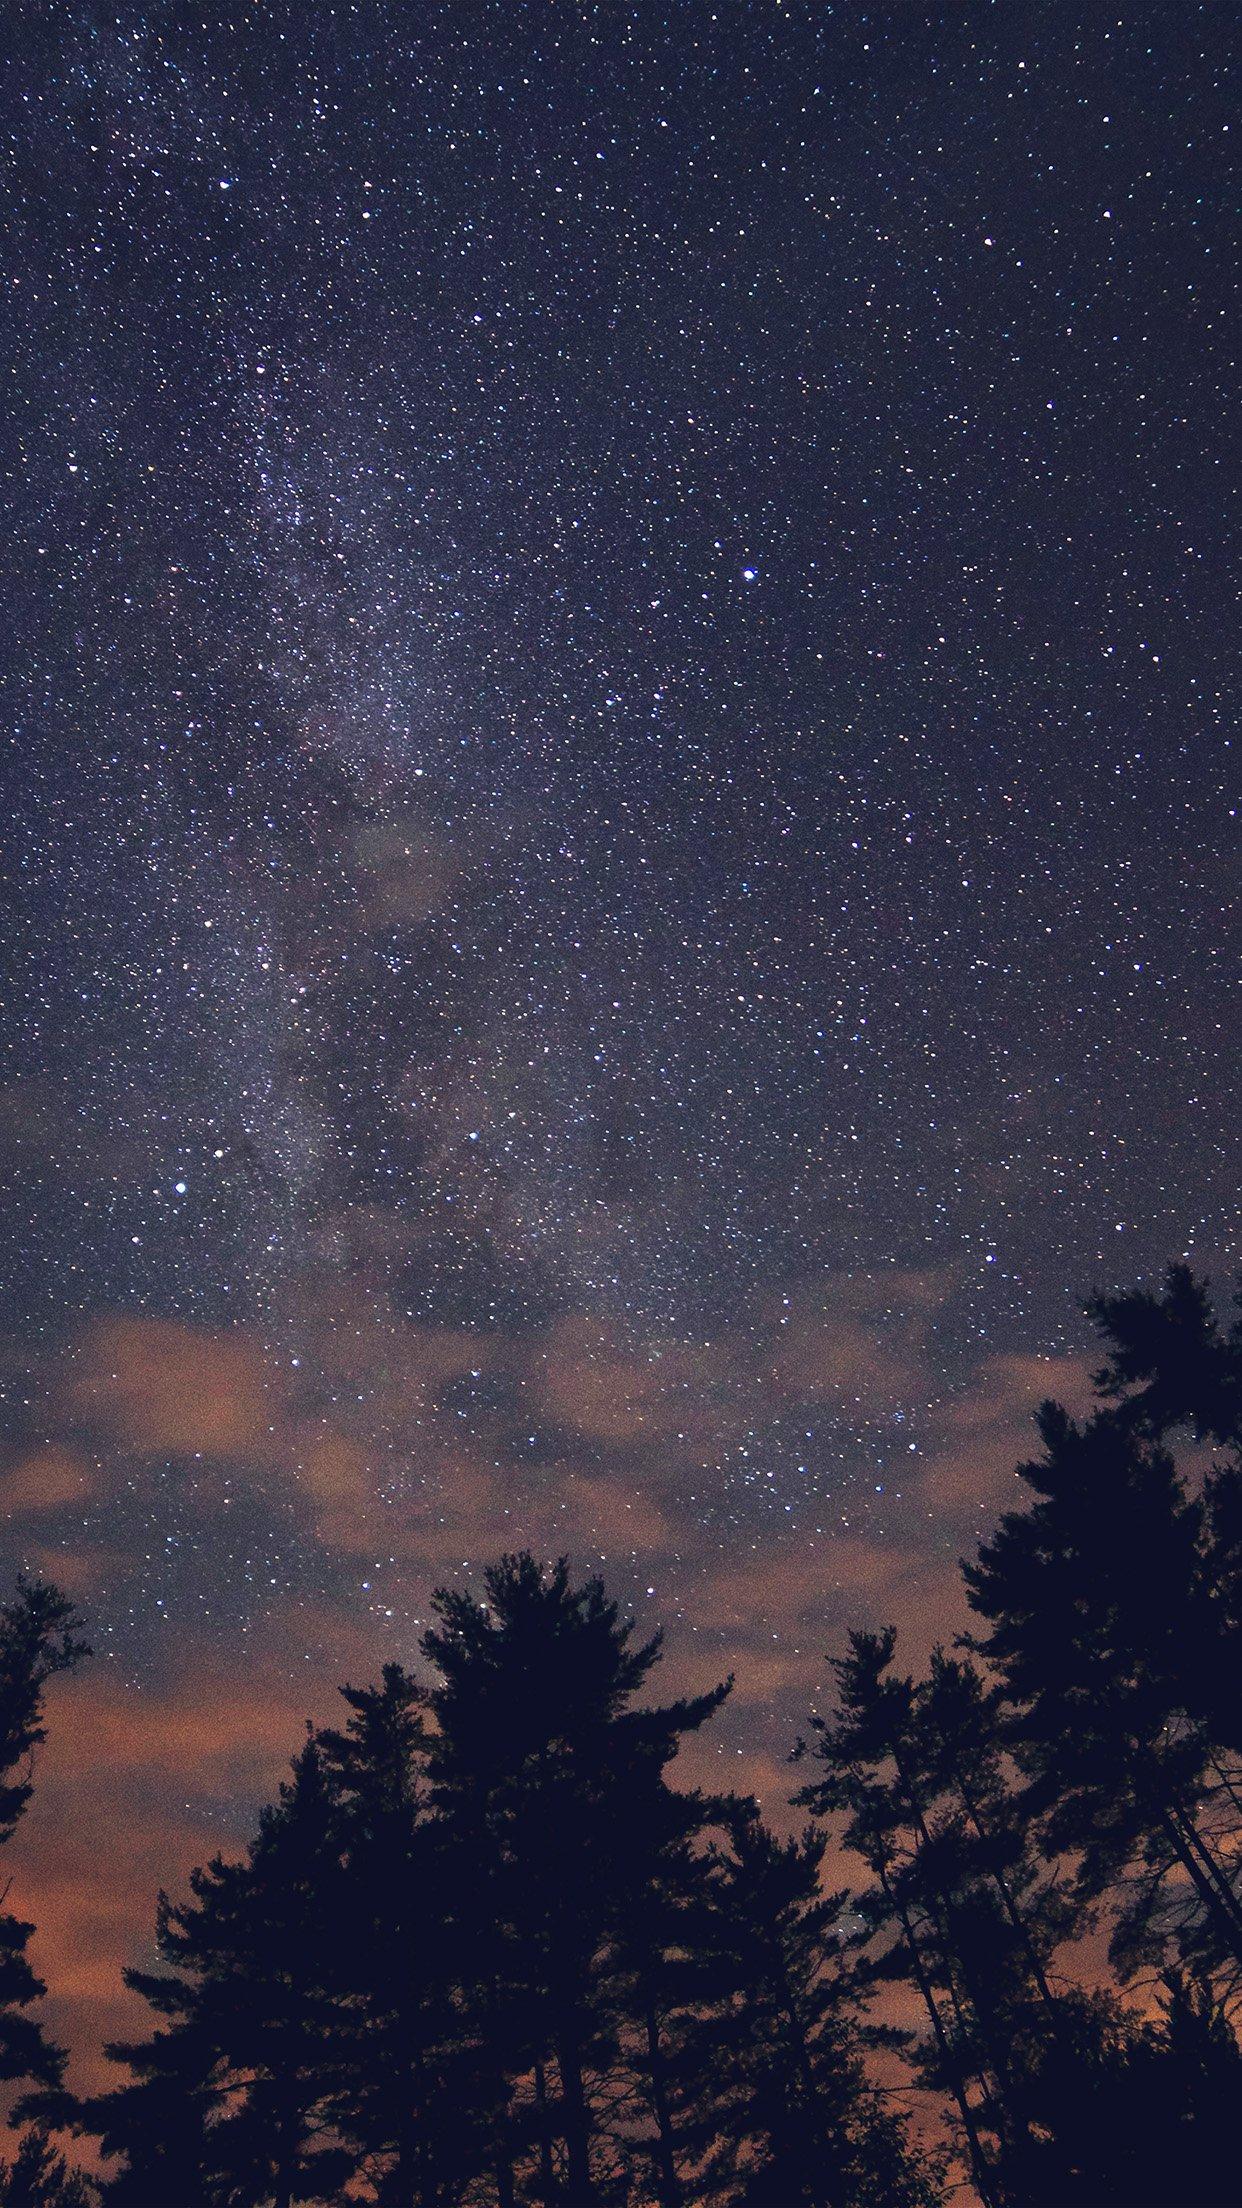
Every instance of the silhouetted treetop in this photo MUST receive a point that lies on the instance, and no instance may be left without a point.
(1170, 1363)
(536, 1664)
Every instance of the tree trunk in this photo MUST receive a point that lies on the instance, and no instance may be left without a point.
(828, 2176)
(547, 2175)
(668, 2184)
(980, 2167)
(286, 2157)
(1012, 1910)
(940, 1909)
(579, 2192)
(1219, 1901)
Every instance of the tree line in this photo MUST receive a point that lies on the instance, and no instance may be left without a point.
(482, 1952)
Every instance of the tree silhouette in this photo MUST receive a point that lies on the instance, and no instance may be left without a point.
(230, 2101)
(1112, 1606)
(663, 1975)
(1098, 1610)
(551, 1780)
(792, 2119)
(1170, 1366)
(965, 1913)
(872, 1769)
(1169, 1362)
(449, 1959)
(407, 2093)
(484, 1953)
(39, 1637)
(39, 2177)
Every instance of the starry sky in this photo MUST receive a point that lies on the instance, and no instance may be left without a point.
(618, 823)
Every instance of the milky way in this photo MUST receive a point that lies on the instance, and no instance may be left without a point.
(619, 804)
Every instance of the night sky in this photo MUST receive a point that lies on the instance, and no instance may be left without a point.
(618, 816)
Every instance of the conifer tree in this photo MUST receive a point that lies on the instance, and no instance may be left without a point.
(663, 1971)
(407, 2074)
(39, 1638)
(1171, 1366)
(231, 2101)
(482, 1954)
(963, 1911)
(791, 2119)
(871, 1768)
(1186, 2080)
(1170, 1363)
(1152, 2115)
(550, 1776)
(1049, 2042)
(39, 2177)
(1093, 1598)
(960, 1738)
(468, 1908)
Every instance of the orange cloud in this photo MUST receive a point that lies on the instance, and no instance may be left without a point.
(593, 1387)
(127, 1798)
(161, 1388)
(983, 1434)
(859, 1341)
(47, 1478)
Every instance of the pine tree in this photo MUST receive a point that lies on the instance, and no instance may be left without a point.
(1169, 1361)
(1196, 2089)
(1092, 1598)
(1010, 1915)
(962, 1753)
(231, 2102)
(872, 1768)
(550, 1779)
(39, 1638)
(656, 1965)
(1171, 1366)
(1114, 1610)
(1153, 2116)
(407, 2091)
(791, 2120)
(39, 2177)
(963, 1911)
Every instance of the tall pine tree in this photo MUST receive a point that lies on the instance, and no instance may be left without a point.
(873, 1770)
(231, 2100)
(550, 1775)
(408, 2085)
(1098, 1614)
(39, 1638)
(790, 2118)
(40, 2177)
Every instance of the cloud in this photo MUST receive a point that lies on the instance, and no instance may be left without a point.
(858, 1342)
(436, 1444)
(46, 1478)
(160, 1388)
(983, 1433)
(132, 1789)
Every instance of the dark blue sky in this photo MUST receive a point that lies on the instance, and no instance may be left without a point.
(618, 809)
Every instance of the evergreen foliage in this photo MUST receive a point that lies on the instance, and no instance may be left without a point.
(40, 2177)
(484, 1951)
(39, 1638)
